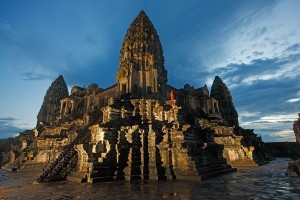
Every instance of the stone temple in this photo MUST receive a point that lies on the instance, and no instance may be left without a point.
(139, 128)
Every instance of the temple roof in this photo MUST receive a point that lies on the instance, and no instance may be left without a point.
(141, 39)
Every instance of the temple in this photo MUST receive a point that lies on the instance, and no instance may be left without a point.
(139, 128)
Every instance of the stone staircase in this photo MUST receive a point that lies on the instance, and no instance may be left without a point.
(103, 170)
(209, 160)
(204, 166)
(250, 163)
(61, 167)
(65, 163)
(78, 177)
(213, 166)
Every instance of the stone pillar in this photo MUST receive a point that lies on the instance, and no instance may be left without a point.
(61, 107)
(152, 155)
(82, 164)
(127, 169)
(142, 153)
(129, 81)
(168, 163)
(66, 107)
(123, 152)
(136, 111)
(136, 155)
(72, 107)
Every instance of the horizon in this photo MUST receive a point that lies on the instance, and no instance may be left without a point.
(256, 56)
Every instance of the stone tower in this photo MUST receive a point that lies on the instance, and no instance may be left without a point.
(51, 104)
(220, 92)
(142, 72)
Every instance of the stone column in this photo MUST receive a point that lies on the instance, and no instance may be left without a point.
(61, 107)
(66, 107)
(143, 152)
(128, 168)
(72, 106)
(152, 155)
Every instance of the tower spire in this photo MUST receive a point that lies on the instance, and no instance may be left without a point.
(142, 72)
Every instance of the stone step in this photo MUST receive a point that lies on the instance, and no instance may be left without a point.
(210, 164)
(213, 165)
(101, 173)
(212, 174)
(38, 167)
(190, 178)
(217, 162)
(248, 163)
(102, 179)
(209, 169)
(76, 179)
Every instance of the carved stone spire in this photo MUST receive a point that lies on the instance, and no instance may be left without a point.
(220, 92)
(51, 104)
(142, 70)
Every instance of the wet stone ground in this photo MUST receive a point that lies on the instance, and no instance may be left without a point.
(267, 182)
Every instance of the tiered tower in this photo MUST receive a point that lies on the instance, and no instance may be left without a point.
(51, 104)
(142, 72)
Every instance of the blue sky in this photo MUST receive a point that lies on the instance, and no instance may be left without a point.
(253, 45)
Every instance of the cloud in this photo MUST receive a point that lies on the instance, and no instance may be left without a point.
(9, 127)
(294, 47)
(280, 136)
(277, 118)
(7, 119)
(29, 76)
(281, 67)
(270, 127)
(258, 33)
(258, 53)
(4, 25)
(271, 30)
(293, 100)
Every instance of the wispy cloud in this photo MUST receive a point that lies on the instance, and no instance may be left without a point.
(280, 136)
(294, 47)
(4, 25)
(7, 119)
(271, 31)
(9, 127)
(282, 67)
(272, 127)
(293, 100)
(29, 76)
(277, 118)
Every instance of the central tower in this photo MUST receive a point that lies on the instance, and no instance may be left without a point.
(142, 72)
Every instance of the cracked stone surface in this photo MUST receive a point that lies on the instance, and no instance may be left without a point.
(267, 182)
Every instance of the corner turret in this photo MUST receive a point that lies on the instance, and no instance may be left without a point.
(51, 104)
(220, 92)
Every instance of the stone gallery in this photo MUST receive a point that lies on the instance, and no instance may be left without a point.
(139, 128)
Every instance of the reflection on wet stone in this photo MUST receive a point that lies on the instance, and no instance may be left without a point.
(267, 182)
